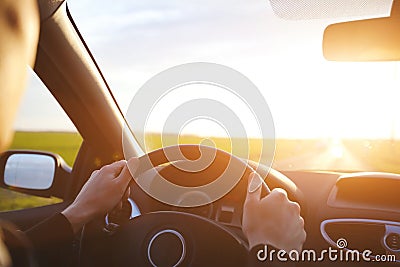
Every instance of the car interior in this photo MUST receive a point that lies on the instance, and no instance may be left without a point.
(359, 206)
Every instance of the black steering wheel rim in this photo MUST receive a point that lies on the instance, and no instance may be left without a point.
(231, 171)
(94, 230)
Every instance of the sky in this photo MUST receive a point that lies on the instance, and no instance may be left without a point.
(308, 96)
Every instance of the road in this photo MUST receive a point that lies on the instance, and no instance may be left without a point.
(333, 155)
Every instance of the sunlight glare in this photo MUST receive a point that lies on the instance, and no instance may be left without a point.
(336, 148)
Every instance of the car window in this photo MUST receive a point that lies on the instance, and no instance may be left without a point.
(40, 125)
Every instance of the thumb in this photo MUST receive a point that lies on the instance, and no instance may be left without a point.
(254, 187)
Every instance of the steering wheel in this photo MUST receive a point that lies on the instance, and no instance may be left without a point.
(173, 238)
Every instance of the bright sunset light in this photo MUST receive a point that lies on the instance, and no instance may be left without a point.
(308, 96)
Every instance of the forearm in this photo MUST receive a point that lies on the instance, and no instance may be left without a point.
(76, 217)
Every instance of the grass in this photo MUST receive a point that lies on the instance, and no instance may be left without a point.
(64, 144)
(381, 155)
(10, 200)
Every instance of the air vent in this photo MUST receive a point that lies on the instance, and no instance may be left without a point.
(392, 241)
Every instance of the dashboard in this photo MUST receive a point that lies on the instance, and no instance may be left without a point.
(352, 211)
(361, 209)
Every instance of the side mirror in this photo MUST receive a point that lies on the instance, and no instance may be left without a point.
(34, 173)
(30, 171)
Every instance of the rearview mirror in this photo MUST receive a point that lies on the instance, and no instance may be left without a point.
(30, 171)
(364, 40)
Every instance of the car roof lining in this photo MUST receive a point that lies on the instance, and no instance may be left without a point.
(48, 7)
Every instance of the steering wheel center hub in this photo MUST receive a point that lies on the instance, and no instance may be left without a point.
(166, 248)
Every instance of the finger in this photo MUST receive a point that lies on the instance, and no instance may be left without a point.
(123, 180)
(125, 176)
(300, 234)
(126, 194)
(118, 166)
(304, 235)
(278, 193)
(94, 173)
(301, 239)
(254, 187)
(295, 207)
(114, 168)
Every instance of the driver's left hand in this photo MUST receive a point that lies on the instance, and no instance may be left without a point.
(105, 189)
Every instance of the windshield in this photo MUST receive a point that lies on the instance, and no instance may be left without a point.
(327, 115)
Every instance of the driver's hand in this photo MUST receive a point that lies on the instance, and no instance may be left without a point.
(104, 190)
(273, 220)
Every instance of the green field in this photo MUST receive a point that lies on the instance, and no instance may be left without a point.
(305, 154)
(317, 154)
(379, 155)
(64, 144)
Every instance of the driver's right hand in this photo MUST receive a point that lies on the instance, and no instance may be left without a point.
(272, 220)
